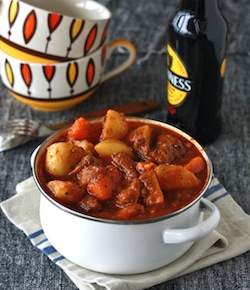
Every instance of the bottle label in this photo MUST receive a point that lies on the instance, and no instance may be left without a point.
(179, 84)
(223, 68)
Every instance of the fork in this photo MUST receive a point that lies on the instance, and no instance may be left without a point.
(28, 127)
(19, 131)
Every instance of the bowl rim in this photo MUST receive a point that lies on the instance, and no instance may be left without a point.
(41, 9)
(38, 151)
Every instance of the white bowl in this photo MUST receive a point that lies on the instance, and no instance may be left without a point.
(124, 246)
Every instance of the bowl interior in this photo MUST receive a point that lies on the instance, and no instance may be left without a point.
(40, 178)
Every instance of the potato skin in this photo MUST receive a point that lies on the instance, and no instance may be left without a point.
(115, 126)
(66, 191)
(108, 147)
(61, 158)
(175, 177)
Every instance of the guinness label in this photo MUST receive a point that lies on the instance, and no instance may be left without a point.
(179, 84)
(223, 68)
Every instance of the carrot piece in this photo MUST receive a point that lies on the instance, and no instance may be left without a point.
(195, 165)
(82, 129)
(130, 211)
(105, 187)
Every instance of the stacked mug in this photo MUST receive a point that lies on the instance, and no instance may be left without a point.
(53, 53)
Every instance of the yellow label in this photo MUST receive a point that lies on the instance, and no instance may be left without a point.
(179, 84)
(223, 68)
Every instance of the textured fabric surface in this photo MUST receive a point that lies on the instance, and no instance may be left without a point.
(144, 23)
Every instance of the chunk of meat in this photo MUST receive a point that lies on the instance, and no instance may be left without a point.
(150, 181)
(140, 138)
(129, 195)
(144, 166)
(84, 144)
(126, 164)
(90, 204)
(86, 160)
(175, 177)
(167, 148)
(89, 173)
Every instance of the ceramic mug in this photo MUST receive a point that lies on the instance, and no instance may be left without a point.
(57, 30)
(61, 85)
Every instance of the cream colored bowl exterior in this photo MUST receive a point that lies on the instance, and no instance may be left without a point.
(70, 79)
(126, 247)
(59, 41)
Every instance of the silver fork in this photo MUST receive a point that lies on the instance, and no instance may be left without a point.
(25, 127)
(19, 131)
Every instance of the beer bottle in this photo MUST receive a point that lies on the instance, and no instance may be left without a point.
(196, 59)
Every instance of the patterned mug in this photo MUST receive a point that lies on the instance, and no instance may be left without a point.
(52, 30)
(58, 86)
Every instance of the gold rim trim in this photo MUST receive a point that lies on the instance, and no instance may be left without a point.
(18, 53)
(52, 105)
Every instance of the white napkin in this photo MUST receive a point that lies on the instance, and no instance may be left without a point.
(230, 239)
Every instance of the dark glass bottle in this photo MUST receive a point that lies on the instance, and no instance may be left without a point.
(197, 38)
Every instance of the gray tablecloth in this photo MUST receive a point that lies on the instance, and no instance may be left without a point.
(144, 22)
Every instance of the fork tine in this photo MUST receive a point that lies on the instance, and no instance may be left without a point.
(12, 123)
(19, 126)
(25, 127)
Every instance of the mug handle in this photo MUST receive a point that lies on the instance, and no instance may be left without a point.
(177, 236)
(123, 43)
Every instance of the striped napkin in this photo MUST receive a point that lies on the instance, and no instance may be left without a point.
(230, 239)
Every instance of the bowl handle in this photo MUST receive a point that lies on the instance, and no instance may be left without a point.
(123, 44)
(177, 236)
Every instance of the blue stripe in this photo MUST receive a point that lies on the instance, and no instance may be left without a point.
(49, 250)
(213, 189)
(58, 259)
(45, 240)
(35, 234)
(219, 197)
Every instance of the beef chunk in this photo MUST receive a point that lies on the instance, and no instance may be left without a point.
(90, 204)
(167, 148)
(129, 195)
(126, 164)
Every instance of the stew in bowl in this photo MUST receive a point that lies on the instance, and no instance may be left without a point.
(122, 169)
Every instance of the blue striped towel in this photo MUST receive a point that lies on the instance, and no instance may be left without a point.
(223, 243)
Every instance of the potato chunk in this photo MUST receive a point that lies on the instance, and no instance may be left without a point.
(107, 148)
(115, 126)
(66, 191)
(174, 177)
(62, 157)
